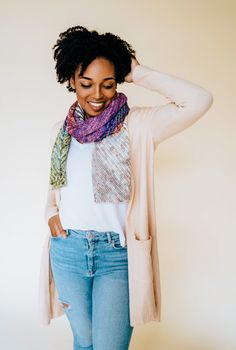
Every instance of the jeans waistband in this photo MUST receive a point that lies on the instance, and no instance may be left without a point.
(93, 234)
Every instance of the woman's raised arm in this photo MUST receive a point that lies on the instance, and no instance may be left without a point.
(188, 102)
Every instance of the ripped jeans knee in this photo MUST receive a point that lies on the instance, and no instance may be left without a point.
(65, 304)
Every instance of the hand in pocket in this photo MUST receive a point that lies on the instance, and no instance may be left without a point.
(55, 226)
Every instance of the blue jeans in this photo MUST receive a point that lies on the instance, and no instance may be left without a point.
(90, 270)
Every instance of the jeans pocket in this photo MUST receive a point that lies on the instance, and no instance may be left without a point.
(56, 237)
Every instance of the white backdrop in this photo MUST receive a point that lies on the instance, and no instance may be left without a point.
(195, 183)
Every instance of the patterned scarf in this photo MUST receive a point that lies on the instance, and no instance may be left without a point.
(93, 129)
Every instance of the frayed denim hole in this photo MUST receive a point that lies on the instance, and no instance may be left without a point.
(65, 304)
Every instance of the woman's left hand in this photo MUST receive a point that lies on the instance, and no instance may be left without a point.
(129, 76)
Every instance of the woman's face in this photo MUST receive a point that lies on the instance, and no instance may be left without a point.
(97, 87)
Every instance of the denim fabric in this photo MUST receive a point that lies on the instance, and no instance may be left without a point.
(90, 270)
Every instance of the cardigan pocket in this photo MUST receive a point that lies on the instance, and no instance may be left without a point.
(143, 260)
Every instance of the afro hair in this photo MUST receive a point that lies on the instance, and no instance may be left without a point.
(78, 46)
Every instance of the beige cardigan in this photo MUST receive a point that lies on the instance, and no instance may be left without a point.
(147, 127)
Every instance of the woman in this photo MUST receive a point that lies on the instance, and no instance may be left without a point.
(100, 260)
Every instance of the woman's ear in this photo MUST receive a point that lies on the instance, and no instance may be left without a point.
(72, 82)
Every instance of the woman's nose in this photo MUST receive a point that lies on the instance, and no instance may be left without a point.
(97, 93)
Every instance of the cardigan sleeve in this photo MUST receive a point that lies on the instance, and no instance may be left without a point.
(51, 207)
(187, 102)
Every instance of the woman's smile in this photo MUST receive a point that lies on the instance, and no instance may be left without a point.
(96, 106)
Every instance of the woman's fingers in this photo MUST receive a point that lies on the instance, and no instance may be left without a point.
(55, 226)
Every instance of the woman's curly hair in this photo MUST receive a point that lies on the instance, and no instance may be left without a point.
(78, 45)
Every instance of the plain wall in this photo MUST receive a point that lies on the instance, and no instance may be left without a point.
(195, 170)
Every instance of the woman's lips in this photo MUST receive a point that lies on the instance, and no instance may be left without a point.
(96, 106)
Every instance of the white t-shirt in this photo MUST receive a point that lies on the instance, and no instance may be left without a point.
(78, 209)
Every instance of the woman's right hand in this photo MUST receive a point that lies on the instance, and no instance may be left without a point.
(129, 76)
(55, 226)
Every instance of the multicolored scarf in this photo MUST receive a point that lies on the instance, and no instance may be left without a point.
(93, 129)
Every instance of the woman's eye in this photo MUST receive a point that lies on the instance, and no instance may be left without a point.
(108, 87)
(88, 86)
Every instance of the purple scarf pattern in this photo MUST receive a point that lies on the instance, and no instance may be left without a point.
(109, 121)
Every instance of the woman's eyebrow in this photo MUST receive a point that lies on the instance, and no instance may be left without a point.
(87, 78)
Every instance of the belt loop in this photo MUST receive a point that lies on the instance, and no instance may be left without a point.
(109, 237)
